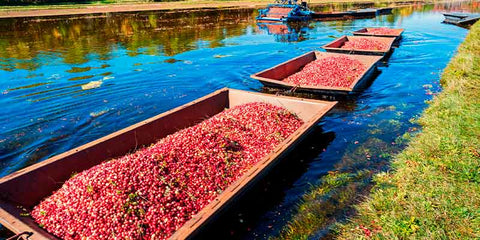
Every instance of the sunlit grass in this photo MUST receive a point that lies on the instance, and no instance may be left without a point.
(333, 196)
(433, 188)
(332, 199)
(433, 191)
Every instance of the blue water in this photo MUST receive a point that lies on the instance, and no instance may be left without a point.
(66, 82)
(368, 128)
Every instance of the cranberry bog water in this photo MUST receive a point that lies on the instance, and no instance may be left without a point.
(22, 190)
(331, 71)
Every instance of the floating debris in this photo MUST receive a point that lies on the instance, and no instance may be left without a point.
(98, 113)
(221, 56)
(92, 85)
(54, 76)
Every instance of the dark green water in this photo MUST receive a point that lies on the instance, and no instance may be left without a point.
(68, 81)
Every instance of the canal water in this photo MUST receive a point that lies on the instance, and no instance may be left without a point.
(67, 81)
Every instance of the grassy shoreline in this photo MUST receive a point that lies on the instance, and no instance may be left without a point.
(433, 188)
(433, 191)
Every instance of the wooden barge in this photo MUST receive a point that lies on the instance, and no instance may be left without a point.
(461, 18)
(367, 12)
(336, 46)
(331, 15)
(22, 190)
(273, 77)
(396, 33)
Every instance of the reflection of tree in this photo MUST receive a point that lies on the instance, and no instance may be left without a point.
(286, 32)
(340, 25)
(340, 6)
(406, 11)
(155, 33)
(458, 6)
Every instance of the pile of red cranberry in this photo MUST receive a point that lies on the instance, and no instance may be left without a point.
(365, 44)
(332, 71)
(150, 193)
(382, 31)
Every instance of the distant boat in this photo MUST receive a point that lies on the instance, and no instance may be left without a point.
(360, 13)
(366, 12)
(384, 11)
(285, 11)
(461, 18)
(328, 15)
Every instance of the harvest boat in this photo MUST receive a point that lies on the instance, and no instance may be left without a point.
(285, 11)
(22, 190)
(384, 11)
(332, 15)
(366, 12)
(274, 77)
(395, 33)
(460, 18)
(336, 45)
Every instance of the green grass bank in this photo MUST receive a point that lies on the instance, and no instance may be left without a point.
(433, 188)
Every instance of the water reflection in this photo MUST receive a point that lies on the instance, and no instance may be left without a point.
(23, 43)
(286, 32)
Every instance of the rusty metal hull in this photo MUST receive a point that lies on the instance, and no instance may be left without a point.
(335, 46)
(273, 77)
(27, 187)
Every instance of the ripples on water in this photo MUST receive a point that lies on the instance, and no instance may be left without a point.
(68, 81)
